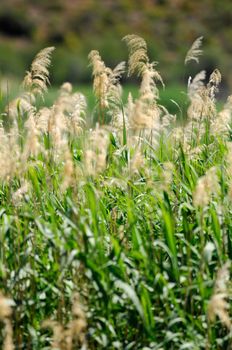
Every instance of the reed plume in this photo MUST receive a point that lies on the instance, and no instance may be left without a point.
(139, 64)
(106, 87)
(196, 84)
(21, 105)
(207, 185)
(146, 112)
(32, 145)
(20, 193)
(194, 52)
(10, 153)
(95, 152)
(101, 79)
(35, 83)
(37, 78)
(221, 124)
(68, 171)
(202, 108)
(214, 81)
(138, 57)
(73, 108)
(218, 305)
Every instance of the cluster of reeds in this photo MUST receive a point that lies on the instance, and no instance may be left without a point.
(132, 211)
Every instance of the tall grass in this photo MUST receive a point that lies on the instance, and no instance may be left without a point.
(115, 234)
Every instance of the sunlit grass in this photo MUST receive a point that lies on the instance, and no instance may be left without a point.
(115, 235)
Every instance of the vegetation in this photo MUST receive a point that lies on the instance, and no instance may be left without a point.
(115, 226)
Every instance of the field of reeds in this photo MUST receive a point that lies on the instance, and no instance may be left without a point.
(115, 221)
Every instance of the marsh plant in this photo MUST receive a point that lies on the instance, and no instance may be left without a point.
(115, 234)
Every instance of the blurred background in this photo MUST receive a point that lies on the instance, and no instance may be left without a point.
(77, 26)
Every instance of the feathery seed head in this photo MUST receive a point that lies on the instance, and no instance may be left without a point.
(196, 84)
(68, 171)
(138, 57)
(18, 195)
(66, 88)
(37, 79)
(101, 78)
(106, 82)
(212, 86)
(32, 144)
(21, 105)
(137, 162)
(207, 185)
(218, 305)
(194, 51)
(71, 108)
(202, 106)
(96, 151)
(148, 89)
(42, 119)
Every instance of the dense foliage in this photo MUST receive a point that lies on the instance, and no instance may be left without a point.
(115, 235)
